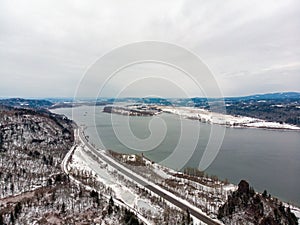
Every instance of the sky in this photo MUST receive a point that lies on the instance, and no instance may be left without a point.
(46, 47)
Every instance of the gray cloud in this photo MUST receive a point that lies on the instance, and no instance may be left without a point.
(45, 46)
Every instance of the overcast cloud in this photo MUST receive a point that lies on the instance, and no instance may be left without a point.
(46, 46)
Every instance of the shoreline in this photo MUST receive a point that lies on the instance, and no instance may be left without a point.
(295, 208)
(205, 116)
(226, 120)
(152, 187)
(288, 197)
(65, 168)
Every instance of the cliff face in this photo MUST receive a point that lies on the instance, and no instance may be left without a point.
(245, 206)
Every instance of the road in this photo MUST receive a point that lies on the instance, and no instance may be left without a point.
(150, 187)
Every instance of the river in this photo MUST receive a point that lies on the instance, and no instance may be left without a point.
(267, 159)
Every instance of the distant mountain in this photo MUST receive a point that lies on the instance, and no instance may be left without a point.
(26, 103)
(282, 97)
(269, 96)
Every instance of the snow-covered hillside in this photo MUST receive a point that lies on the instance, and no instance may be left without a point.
(33, 188)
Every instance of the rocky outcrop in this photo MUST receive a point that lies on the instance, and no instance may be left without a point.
(245, 206)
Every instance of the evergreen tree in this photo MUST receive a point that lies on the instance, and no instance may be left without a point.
(12, 187)
(111, 201)
(18, 209)
(1, 220)
(12, 218)
(188, 217)
(265, 194)
(130, 218)
(63, 208)
(110, 209)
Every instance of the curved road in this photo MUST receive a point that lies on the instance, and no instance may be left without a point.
(150, 187)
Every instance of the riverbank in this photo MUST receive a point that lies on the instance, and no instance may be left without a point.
(226, 120)
(75, 163)
(160, 174)
(148, 186)
(245, 153)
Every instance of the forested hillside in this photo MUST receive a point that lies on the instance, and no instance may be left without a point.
(33, 187)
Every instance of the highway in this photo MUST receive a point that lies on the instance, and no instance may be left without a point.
(136, 178)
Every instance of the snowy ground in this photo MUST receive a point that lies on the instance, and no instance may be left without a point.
(295, 210)
(223, 119)
(105, 174)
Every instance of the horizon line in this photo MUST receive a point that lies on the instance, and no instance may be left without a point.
(136, 97)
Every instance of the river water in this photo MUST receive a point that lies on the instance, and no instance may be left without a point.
(267, 159)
